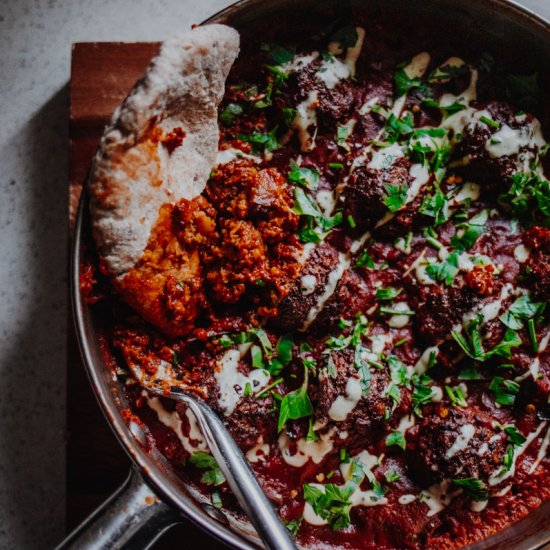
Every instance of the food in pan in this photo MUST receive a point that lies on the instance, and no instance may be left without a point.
(355, 277)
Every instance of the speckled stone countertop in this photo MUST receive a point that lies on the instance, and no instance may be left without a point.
(35, 46)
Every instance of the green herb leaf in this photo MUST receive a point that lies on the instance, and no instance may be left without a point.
(364, 260)
(489, 121)
(468, 233)
(521, 310)
(392, 476)
(205, 461)
(435, 206)
(505, 390)
(396, 438)
(395, 197)
(230, 113)
(456, 396)
(475, 488)
(262, 142)
(445, 271)
(289, 115)
(333, 504)
(387, 293)
(293, 526)
(308, 177)
(514, 436)
(528, 197)
(295, 404)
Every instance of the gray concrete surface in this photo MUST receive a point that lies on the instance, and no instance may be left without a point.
(35, 40)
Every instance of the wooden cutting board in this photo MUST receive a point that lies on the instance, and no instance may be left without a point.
(102, 74)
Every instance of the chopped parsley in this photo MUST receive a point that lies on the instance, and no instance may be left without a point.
(505, 390)
(444, 271)
(447, 110)
(317, 226)
(489, 121)
(295, 404)
(307, 177)
(230, 113)
(205, 461)
(387, 293)
(422, 392)
(514, 436)
(392, 476)
(395, 197)
(468, 233)
(475, 488)
(456, 396)
(293, 525)
(333, 504)
(521, 310)
(528, 197)
(436, 206)
(472, 345)
(289, 115)
(396, 438)
(261, 142)
(404, 83)
(364, 260)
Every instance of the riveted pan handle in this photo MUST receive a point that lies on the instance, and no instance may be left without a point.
(132, 518)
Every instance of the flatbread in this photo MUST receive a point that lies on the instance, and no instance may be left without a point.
(161, 143)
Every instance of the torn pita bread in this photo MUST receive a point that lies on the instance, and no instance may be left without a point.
(159, 149)
(140, 165)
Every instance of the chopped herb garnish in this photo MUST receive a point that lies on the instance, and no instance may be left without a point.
(392, 476)
(468, 233)
(447, 110)
(444, 271)
(528, 197)
(505, 390)
(311, 435)
(456, 396)
(489, 121)
(474, 487)
(293, 526)
(307, 177)
(344, 456)
(262, 142)
(521, 310)
(471, 343)
(422, 392)
(333, 504)
(205, 461)
(396, 438)
(216, 500)
(514, 436)
(436, 206)
(295, 404)
(232, 111)
(364, 260)
(289, 115)
(533, 335)
(387, 293)
(335, 165)
(395, 197)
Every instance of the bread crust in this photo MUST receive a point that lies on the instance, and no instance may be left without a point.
(161, 143)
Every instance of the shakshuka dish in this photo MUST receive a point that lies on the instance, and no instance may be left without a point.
(340, 238)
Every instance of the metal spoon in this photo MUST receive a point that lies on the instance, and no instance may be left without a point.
(229, 457)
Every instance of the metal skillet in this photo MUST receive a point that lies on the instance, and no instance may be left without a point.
(154, 498)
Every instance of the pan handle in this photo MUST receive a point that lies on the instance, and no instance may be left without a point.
(132, 518)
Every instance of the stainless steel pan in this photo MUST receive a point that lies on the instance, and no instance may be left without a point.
(154, 498)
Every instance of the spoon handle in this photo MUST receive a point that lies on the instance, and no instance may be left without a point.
(240, 477)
